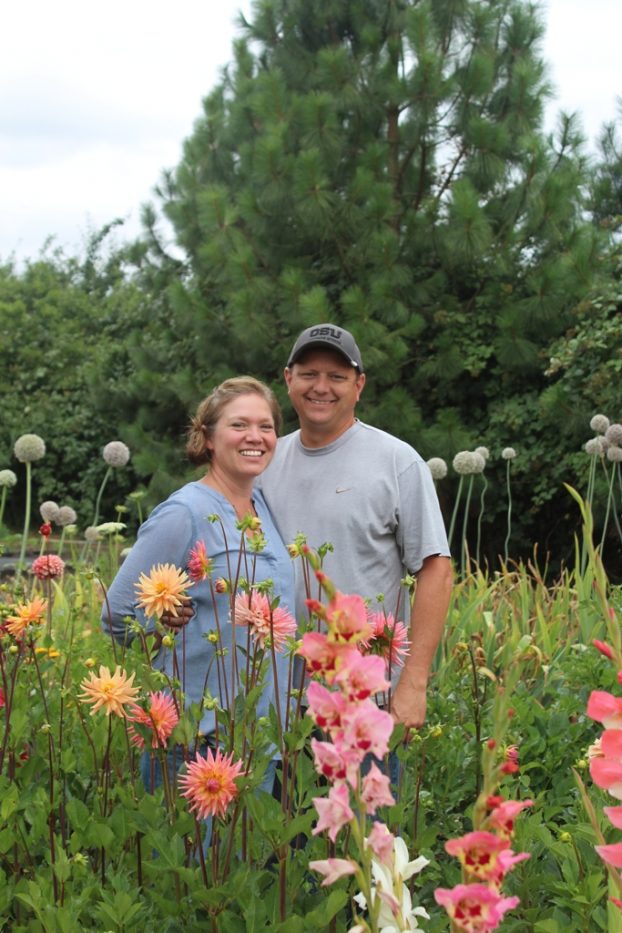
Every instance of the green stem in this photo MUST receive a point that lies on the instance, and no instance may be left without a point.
(22, 553)
(455, 511)
(507, 537)
(479, 519)
(2, 504)
(607, 511)
(465, 520)
(99, 496)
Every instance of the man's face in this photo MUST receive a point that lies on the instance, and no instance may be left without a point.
(324, 390)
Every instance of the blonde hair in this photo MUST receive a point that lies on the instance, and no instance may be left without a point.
(210, 409)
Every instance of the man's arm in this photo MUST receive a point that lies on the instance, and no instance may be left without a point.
(427, 621)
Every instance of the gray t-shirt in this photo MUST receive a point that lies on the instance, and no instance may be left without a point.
(372, 497)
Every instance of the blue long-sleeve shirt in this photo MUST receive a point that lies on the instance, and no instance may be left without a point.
(168, 535)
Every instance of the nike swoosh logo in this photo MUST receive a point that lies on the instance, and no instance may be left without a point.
(343, 489)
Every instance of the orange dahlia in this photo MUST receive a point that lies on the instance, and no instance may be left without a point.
(209, 783)
(162, 590)
(109, 691)
(26, 614)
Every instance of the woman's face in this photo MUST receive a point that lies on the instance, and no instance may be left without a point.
(244, 438)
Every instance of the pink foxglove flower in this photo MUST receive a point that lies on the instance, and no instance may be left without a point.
(333, 869)
(475, 908)
(254, 610)
(334, 811)
(376, 790)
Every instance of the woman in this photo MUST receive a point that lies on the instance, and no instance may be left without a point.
(234, 433)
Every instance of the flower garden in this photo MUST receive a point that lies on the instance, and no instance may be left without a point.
(504, 814)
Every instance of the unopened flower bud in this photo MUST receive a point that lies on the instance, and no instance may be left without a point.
(90, 662)
(45, 530)
(221, 585)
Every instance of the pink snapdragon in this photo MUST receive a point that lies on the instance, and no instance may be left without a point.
(367, 728)
(484, 856)
(346, 618)
(334, 763)
(376, 790)
(333, 869)
(605, 708)
(334, 811)
(326, 707)
(380, 841)
(360, 677)
(502, 817)
(323, 657)
(475, 908)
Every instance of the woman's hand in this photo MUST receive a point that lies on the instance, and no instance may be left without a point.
(185, 613)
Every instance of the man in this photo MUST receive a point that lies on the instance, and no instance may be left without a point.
(368, 494)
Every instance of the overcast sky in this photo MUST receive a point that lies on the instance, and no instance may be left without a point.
(97, 98)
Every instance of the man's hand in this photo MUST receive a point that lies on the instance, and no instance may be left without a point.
(185, 613)
(408, 703)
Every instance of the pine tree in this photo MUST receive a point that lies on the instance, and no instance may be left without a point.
(381, 164)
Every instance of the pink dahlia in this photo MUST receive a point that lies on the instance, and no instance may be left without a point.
(161, 717)
(199, 564)
(48, 567)
(254, 610)
(388, 638)
(209, 783)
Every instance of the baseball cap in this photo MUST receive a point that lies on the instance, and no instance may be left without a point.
(327, 336)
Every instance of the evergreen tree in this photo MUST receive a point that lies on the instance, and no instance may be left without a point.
(381, 164)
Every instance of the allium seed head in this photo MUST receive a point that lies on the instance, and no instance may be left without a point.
(463, 463)
(614, 454)
(29, 447)
(613, 434)
(438, 467)
(508, 453)
(91, 534)
(49, 511)
(116, 453)
(479, 462)
(599, 423)
(595, 447)
(66, 516)
(7, 478)
(483, 452)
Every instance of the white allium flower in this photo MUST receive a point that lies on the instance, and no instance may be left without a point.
(614, 454)
(438, 467)
(599, 423)
(483, 452)
(66, 516)
(116, 453)
(508, 453)
(7, 478)
(595, 447)
(91, 534)
(110, 528)
(479, 462)
(613, 434)
(29, 447)
(464, 462)
(49, 511)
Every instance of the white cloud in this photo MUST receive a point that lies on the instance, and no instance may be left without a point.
(97, 99)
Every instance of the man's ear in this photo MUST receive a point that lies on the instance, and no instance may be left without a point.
(360, 384)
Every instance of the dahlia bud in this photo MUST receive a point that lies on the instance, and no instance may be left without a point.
(45, 530)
